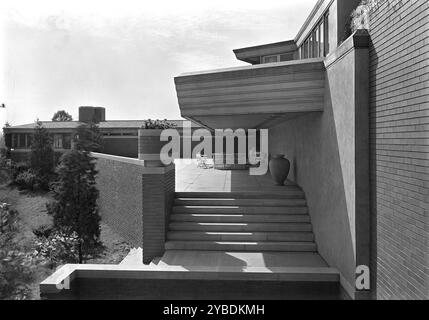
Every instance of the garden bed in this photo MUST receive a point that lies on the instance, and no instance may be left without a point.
(32, 214)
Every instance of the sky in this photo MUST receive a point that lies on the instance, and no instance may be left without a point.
(124, 54)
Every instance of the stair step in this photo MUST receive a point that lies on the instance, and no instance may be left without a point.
(239, 218)
(285, 192)
(287, 202)
(240, 210)
(240, 236)
(240, 227)
(242, 246)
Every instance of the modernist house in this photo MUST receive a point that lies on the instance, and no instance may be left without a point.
(119, 136)
(349, 108)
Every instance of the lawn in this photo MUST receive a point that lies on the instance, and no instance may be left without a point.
(32, 214)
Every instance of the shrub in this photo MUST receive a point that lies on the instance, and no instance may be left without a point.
(28, 180)
(17, 267)
(8, 218)
(18, 168)
(88, 138)
(75, 195)
(4, 162)
(59, 247)
(44, 181)
(158, 124)
(42, 153)
(51, 206)
(44, 231)
(17, 271)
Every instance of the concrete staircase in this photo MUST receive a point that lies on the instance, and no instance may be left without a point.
(241, 222)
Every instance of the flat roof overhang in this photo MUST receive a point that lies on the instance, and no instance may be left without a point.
(252, 54)
(256, 96)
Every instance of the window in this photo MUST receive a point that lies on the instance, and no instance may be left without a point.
(317, 43)
(14, 140)
(29, 140)
(326, 33)
(306, 46)
(270, 59)
(286, 57)
(67, 141)
(21, 140)
(277, 58)
(58, 141)
(322, 38)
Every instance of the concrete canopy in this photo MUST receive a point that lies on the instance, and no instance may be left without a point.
(253, 54)
(254, 96)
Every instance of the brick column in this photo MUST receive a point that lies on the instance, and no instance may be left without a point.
(158, 195)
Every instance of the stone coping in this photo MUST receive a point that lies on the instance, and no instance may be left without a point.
(358, 40)
(98, 271)
(134, 161)
(310, 64)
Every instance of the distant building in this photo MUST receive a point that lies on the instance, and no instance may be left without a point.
(120, 137)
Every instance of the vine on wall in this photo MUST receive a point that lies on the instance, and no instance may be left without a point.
(360, 17)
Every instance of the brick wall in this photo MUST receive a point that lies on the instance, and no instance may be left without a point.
(120, 146)
(158, 196)
(135, 201)
(120, 201)
(399, 123)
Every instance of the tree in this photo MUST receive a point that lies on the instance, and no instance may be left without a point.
(88, 138)
(62, 115)
(42, 153)
(75, 209)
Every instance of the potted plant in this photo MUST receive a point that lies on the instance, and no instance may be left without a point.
(149, 145)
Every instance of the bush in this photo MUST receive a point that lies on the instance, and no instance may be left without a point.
(158, 124)
(17, 271)
(28, 180)
(4, 162)
(51, 206)
(45, 181)
(18, 168)
(17, 267)
(58, 248)
(76, 194)
(8, 218)
(44, 231)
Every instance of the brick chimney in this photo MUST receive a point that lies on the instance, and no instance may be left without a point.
(92, 114)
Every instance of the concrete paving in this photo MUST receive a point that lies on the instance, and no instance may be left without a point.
(219, 260)
(241, 259)
(191, 178)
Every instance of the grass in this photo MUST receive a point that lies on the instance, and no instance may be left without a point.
(32, 214)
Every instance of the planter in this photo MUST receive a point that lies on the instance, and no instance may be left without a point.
(149, 147)
(279, 169)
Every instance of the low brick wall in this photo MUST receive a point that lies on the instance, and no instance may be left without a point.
(120, 184)
(135, 201)
(158, 196)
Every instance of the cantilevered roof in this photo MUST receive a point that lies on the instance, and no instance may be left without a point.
(252, 96)
(253, 54)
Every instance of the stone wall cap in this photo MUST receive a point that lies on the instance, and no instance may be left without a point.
(360, 39)
(118, 158)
